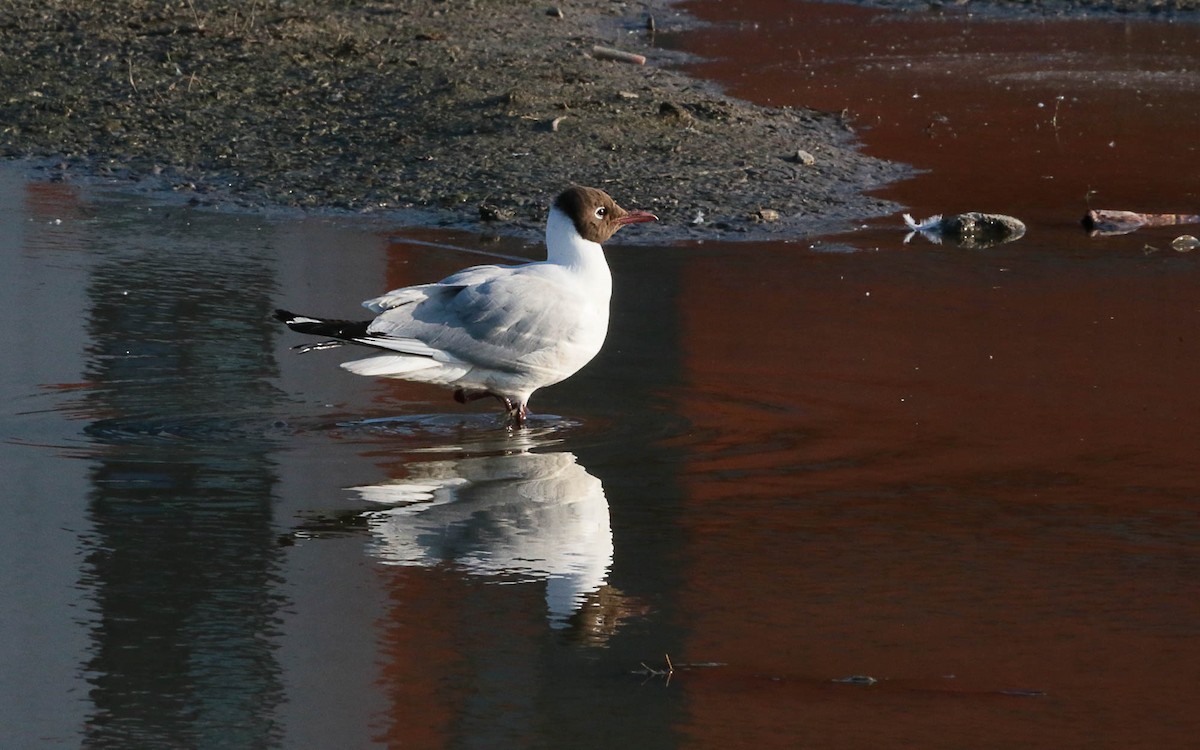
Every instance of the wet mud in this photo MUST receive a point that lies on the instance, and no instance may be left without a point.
(469, 113)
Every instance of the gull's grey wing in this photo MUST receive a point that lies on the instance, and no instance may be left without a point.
(409, 294)
(498, 322)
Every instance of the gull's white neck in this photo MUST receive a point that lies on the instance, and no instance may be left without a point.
(565, 247)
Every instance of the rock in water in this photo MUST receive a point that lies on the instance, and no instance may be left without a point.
(983, 230)
(970, 230)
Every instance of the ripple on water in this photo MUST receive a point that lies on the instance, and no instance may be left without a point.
(195, 428)
(487, 426)
(455, 433)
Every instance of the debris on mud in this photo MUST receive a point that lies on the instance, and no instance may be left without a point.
(461, 112)
(968, 230)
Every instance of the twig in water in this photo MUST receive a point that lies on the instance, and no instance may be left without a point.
(1058, 100)
(672, 667)
(653, 672)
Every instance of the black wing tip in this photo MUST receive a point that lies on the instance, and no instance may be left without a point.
(284, 316)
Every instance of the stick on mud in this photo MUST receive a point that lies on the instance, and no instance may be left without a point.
(608, 53)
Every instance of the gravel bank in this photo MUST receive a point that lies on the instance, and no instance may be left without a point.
(468, 112)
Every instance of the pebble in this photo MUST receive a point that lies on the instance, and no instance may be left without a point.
(803, 157)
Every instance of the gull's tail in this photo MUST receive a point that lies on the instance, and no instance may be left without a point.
(339, 331)
(408, 357)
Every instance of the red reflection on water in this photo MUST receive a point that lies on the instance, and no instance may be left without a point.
(970, 475)
(961, 481)
(52, 201)
(1023, 117)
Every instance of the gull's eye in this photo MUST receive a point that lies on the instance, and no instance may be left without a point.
(601, 212)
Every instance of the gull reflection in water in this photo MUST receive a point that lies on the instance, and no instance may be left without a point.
(528, 516)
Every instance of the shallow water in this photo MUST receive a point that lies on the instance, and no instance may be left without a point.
(968, 475)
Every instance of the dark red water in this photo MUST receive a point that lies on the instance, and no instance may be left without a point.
(971, 474)
(1038, 118)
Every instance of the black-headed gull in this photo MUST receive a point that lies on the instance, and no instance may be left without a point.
(501, 331)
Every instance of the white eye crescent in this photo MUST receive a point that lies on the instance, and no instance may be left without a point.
(601, 212)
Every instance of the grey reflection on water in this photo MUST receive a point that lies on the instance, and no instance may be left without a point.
(159, 464)
(522, 516)
(181, 566)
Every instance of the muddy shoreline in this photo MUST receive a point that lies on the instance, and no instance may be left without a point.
(465, 114)
(472, 113)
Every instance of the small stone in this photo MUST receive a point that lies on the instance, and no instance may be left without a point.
(768, 215)
(1185, 243)
(491, 212)
(555, 12)
(803, 157)
(674, 111)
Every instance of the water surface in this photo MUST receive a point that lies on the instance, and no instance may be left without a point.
(968, 475)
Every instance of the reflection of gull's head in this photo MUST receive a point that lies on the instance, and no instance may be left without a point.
(538, 516)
